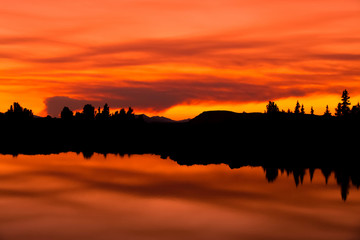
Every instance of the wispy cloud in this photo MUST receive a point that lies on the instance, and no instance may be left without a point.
(156, 54)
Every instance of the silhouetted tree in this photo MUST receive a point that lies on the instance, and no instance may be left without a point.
(297, 108)
(66, 114)
(327, 112)
(338, 111)
(345, 103)
(120, 115)
(312, 111)
(130, 111)
(272, 108)
(78, 116)
(355, 111)
(106, 111)
(124, 115)
(130, 114)
(16, 112)
(104, 114)
(302, 111)
(88, 112)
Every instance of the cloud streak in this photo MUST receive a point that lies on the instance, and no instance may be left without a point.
(162, 95)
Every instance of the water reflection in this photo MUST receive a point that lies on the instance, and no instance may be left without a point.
(146, 197)
(344, 177)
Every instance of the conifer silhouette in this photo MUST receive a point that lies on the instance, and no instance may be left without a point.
(297, 108)
(345, 103)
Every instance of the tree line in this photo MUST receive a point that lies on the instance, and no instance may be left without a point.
(89, 113)
(341, 111)
(16, 112)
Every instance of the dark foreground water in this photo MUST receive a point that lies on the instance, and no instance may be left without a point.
(144, 197)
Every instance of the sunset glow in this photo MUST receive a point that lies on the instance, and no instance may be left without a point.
(178, 58)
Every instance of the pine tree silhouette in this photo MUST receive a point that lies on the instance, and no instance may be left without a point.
(297, 108)
(327, 112)
(345, 103)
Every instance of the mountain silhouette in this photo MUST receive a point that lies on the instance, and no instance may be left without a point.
(156, 119)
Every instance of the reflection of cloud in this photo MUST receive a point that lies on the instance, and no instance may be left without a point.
(87, 189)
(147, 185)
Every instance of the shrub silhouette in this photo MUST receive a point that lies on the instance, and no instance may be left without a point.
(16, 112)
(88, 112)
(104, 114)
(66, 114)
(272, 108)
(355, 111)
(106, 111)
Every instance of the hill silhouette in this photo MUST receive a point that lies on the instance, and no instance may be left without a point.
(155, 119)
(221, 116)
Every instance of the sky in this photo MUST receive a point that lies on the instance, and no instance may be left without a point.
(177, 58)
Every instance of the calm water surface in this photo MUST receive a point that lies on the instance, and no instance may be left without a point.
(144, 197)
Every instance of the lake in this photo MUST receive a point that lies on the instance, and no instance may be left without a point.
(67, 196)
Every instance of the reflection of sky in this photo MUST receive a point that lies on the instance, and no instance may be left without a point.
(144, 197)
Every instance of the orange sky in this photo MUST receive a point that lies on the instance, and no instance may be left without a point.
(180, 57)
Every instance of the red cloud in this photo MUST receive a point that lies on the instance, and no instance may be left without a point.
(161, 95)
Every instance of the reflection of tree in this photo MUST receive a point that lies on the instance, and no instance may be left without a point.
(311, 171)
(355, 179)
(87, 154)
(299, 174)
(344, 177)
(271, 174)
(326, 172)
